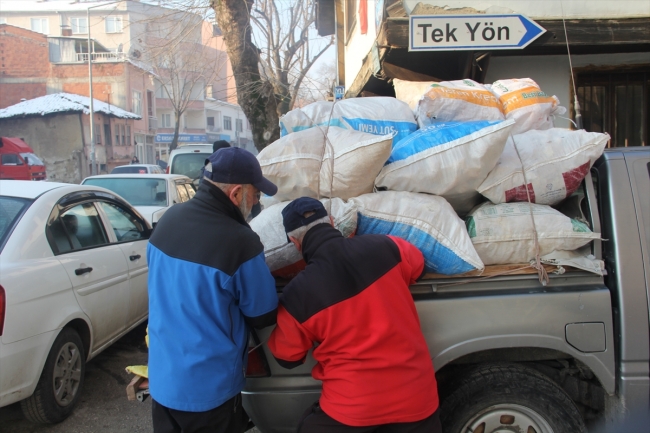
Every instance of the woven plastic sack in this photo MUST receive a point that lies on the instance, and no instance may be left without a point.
(503, 233)
(378, 115)
(426, 221)
(524, 101)
(556, 161)
(450, 159)
(411, 92)
(282, 257)
(300, 164)
(462, 100)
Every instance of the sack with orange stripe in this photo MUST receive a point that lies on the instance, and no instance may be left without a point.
(458, 101)
(524, 101)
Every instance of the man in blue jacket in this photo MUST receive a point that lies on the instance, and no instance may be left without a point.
(208, 282)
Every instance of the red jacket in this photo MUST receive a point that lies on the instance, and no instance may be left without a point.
(353, 300)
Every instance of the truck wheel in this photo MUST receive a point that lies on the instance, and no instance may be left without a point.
(61, 381)
(508, 398)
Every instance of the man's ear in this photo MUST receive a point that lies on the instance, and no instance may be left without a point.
(296, 242)
(236, 194)
(332, 221)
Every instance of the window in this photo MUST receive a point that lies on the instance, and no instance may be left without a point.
(123, 129)
(113, 24)
(227, 123)
(40, 25)
(182, 193)
(137, 103)
(208, 91)
(239, 125)
(128, 134)
(125, 226)
(616, 102)
(190, 190)
(77, 228)
(150, 103)
(167, 120)
(98, 135)
(210, 122)
(11, 159)
(117, 135)
(79, 26)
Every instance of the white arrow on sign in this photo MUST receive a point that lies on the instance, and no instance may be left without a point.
(471, 32)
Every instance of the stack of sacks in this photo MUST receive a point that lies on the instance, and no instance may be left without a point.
(523, 101)
(449, 159)
(377, 115)
(426, 221)
(503, 233)
(282, 257)
(457, 101)
(301, 163)
(555, 160)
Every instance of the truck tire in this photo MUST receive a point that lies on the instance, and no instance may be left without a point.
(59, 387)
(508, 397)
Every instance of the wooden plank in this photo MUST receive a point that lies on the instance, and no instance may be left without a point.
(594, 33)
(134, 386)
(394, 71)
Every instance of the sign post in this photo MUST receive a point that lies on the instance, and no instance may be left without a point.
(471, 32)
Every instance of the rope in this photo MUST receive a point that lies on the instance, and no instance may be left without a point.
(326, 144)
(541, 271)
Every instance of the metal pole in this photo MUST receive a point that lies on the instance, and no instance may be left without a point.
(93, 169)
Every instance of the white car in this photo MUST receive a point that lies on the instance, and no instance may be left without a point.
(150, 194)
(138, 169)
(189, 160)
(73, 280)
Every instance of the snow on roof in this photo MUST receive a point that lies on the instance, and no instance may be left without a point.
(63, 103)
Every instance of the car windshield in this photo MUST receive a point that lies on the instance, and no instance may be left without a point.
(138, 192)
(11, 209)
(31, 159)
(189, 164)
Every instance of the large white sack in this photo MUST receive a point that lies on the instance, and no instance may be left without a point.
(282, 257)
(294, 164)
(503, 233)
(378, 115)
(461, 100)
(556, 161)
(450, 159)
(523, 100)
(411, 92)
(426, 221)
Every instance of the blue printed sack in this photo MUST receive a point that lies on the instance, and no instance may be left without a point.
(377, 115)
(426, 221)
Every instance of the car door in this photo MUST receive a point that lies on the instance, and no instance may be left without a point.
(132, 236)
(97, 268)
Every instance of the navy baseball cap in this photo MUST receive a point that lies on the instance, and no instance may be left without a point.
(292, 214)
(235, 166)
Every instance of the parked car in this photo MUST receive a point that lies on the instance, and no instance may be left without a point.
(189, 160)
(18, 161)
(511, 354)
(73, 280)
(138, 168)
(150, 194)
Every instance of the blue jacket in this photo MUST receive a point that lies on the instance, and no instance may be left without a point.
(207, 283)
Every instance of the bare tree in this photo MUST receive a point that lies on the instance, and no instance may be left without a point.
(269, 74)
(184, 65)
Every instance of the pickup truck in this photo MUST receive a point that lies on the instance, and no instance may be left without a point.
(511, 354)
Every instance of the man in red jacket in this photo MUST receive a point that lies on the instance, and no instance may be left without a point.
(353, 300)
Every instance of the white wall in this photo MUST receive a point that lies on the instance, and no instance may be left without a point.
(552, 72)
(359, 45)
(550, 8)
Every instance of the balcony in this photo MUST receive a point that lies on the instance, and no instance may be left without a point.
(153, 123)
(212, 128)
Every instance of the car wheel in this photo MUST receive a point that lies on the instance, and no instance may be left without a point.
(509, 397)
(61, 381)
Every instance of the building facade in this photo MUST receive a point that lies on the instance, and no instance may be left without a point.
(609, 44)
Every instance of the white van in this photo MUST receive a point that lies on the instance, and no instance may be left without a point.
(189, 160)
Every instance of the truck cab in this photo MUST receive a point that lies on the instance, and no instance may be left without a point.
(18, 161)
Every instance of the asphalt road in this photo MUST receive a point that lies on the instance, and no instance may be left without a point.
(103, 406)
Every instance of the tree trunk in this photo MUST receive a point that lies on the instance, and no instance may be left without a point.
(254, 94)
(177, 126)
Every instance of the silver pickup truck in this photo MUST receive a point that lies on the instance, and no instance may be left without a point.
(512, 355)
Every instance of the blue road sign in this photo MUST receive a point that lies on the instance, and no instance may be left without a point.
(339, 91)
(471, 32)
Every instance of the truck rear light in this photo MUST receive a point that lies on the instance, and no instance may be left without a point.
(257, 364)
(3, 308)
